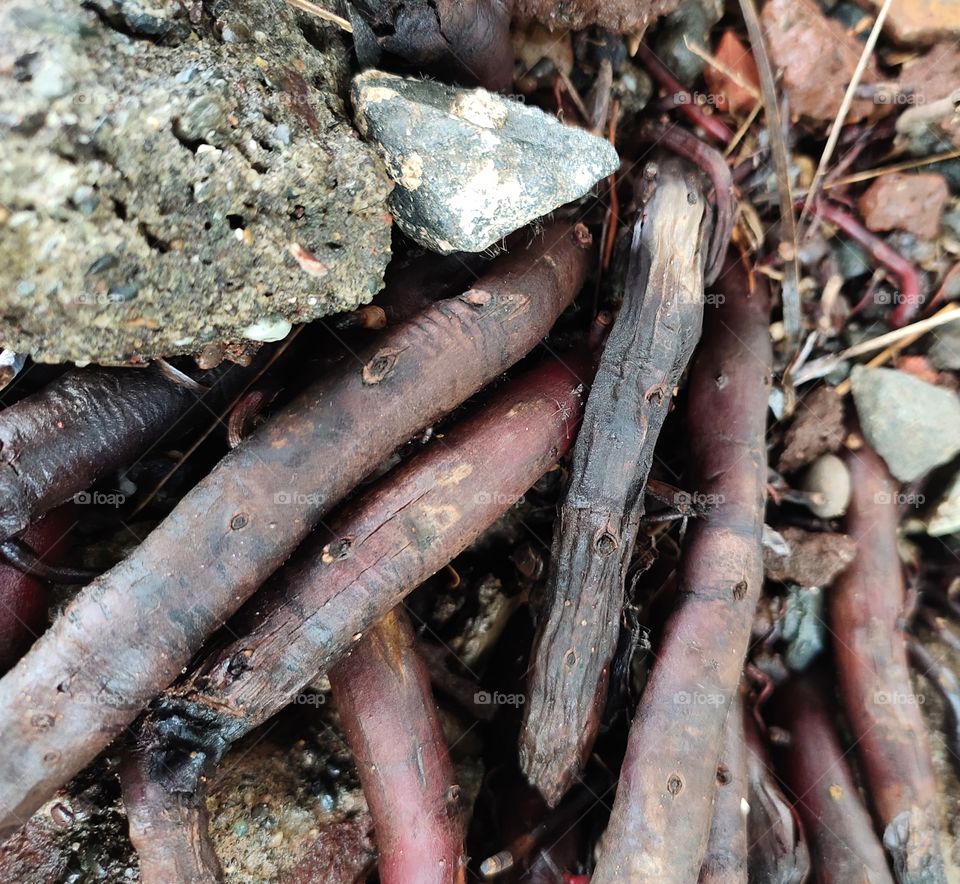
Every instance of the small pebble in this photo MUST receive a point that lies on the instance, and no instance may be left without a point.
(829, 478)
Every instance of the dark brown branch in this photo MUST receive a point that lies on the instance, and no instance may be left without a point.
(661, 817)
(86, 424)
(647, 351)
(129, 633)
(712, 163)
(463, 40)
(405, 528)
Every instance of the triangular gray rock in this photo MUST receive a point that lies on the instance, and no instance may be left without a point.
(471, 167)
(914, 426)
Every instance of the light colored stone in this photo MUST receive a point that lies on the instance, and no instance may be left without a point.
(829, 479)
(914, 426)
(471, 167)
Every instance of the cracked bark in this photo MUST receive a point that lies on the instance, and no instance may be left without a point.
(644, 357)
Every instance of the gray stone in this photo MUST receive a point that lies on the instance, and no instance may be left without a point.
(914, 426)
(803, 626)
(944, 351)
(692, 22)
(471, 167)
(220, 182)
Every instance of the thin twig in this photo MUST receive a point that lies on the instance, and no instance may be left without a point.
(904, 166)
(845, 105)
(893, 349)
(320, 12)
(826, 364)
(744, 128)
(790, 290)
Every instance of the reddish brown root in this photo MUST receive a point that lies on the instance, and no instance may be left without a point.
(168, 830)
(405, 528)
(725, 861)
(778, 852)
(843, 846)
(872, 672)
(388, 716)
(130, 632)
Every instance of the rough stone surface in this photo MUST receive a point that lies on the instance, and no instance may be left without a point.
(471, 167)
(817, 58)
(691, 23)
(930, 124)
(914, 426)
(169, 184)
(921, 21)
(913, 202)
(944, 349)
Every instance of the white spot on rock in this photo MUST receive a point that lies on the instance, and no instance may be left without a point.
(270, 328)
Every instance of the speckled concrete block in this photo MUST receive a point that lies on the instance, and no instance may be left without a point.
(174, 186)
